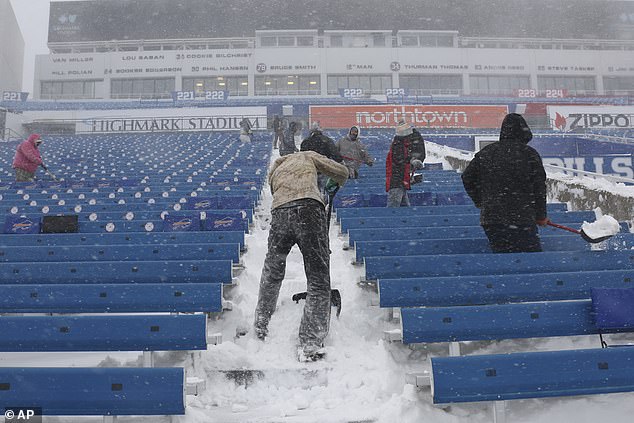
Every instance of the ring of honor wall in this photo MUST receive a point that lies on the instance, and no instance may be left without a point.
(192, 21)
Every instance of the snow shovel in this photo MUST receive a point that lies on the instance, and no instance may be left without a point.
(49, 173)
(584, 235)
(331, 198)
(335, 299)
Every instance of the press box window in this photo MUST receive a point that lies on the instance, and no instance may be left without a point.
(51, 90)
(142, 88)
(336, 41)
(574, 84)
(236, 85)
(371, 84)
(268, 41)
(286, 41)
(305, 41)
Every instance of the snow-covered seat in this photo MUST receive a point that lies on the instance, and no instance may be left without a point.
(423, 210)
(138, 252)
(101, 391)
(495, 264)
(95, 272)
(502, 377)
(104, 332)
(497, 289)
(477, 245)
(456, 324)
(436, 220)
(111, 298)
(130, 238)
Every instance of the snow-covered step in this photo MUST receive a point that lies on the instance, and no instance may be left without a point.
(305, 377)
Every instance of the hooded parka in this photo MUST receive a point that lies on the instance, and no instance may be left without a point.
(506, 180)
(353, 152)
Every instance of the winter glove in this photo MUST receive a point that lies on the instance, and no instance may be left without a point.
(416, 164)
(332, 187)
(542, 222)
(370, 163)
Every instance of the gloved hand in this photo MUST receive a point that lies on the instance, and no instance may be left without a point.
(416, 164)
(44, 167)
(542, 222)
(370, 163)
(331, 186)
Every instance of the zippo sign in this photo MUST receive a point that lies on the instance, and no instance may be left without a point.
(339, 117)
(580, 118)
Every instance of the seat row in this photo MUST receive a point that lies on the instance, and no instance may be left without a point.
(435, 273)
(134, 289)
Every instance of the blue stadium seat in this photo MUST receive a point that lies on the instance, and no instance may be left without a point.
(95, 391)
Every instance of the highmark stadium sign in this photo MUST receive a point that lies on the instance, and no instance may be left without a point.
(108, 125)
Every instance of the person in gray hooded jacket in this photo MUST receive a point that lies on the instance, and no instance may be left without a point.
(353, 152)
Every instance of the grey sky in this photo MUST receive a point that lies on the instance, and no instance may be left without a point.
(32, 16)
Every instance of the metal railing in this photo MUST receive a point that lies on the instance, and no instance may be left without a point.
(322, 41)
(9, 135)
(577, 172)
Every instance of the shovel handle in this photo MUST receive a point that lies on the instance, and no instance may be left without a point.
(565, 228)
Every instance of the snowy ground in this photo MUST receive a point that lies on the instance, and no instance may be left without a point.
(362, 377)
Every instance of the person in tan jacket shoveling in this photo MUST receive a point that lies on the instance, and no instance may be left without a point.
(299, 217)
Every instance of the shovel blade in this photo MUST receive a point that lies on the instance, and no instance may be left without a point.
(587, 238)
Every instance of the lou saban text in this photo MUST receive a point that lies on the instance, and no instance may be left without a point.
(23, 414)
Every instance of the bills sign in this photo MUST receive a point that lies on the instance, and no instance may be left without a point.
(387, 116)
(615, 165)
(580, 118)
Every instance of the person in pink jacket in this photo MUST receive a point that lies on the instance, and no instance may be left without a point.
(27, 159)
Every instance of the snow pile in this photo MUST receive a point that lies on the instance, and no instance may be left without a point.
(604, 226)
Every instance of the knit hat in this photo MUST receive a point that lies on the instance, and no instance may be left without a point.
(403, 128)
(314, 129)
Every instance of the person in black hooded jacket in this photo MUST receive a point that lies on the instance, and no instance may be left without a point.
(507, 182)
(318, 142)
(287, 140)
(322, 144)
